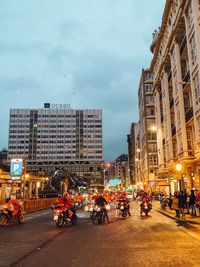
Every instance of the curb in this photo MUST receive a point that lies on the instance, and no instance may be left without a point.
(176, 219)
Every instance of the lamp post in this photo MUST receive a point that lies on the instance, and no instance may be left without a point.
(179, 168)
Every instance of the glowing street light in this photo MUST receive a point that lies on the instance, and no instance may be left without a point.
(179, 167)
(153, 128)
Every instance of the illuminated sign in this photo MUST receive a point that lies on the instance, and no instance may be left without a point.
(16, 167)
(48, 105)
(15, 178)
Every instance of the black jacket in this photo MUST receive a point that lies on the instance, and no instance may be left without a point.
(101, 201)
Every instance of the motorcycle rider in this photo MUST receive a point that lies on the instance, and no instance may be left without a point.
(145, 197)
(101, 202)
(126, 202)
(68, 205)
(13, 205)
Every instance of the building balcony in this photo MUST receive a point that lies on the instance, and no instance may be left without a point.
(173, 131)
(171, 103)
(183, 45)
(186, 79)
(189, 115)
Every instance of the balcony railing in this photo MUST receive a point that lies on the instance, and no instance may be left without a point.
(186, 79)
(161, 118)
(173, 131)
(160, 96)
(183, 45)
(171, 103)
(189, 114)
(169, 77)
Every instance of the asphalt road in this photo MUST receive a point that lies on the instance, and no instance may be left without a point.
(136, 241)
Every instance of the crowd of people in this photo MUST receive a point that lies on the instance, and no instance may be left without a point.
(183, 202)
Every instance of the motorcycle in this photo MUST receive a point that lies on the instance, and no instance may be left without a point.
(7, 217)
(123, 209)
(78, 204)
(146, 206)
(62, 216)
(90, 208)
(99, 215)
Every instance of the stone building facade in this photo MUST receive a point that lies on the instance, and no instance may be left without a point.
(176, 87)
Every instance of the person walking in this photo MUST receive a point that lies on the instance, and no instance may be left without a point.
(193, 202)
(181, 203)
(188, 203)
(170, 201)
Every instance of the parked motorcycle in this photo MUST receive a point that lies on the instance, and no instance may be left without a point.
(64, 217)
(7, 217)
(146, 206)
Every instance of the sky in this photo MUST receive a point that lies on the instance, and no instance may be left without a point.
(87, 53)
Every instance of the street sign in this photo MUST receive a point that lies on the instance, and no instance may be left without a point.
(16, 167)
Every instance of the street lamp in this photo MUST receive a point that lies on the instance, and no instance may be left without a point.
(153, 128)
(179, 167)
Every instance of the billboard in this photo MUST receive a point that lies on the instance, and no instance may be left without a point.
(16, 167)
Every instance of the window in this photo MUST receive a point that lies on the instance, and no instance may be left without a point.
(197, 87)
(149, 100)
(190, 16)
(193, 48)
(153, 161)
(152, 148)
(148, 88)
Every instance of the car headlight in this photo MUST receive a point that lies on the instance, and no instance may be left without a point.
(86, 208)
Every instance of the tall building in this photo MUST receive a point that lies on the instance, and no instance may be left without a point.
(131, 138)
(176, 86)
(148, 160)
(58, 138)
(122, 170)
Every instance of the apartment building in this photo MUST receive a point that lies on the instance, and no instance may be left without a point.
(147, 159)
(176, 87)
(122, 170)
(58, 138)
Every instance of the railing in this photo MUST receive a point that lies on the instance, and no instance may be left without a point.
(189, 114)
(173, 131)
(38, 204)
(160, 96)
(183, 45)
(186, 79)
(161, 118)
(171, 103)
(169, 77)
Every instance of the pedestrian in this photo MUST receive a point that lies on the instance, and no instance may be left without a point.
(188, 203)
(192, 202)
(175, 204)
(181, 203)
(170, 201)
(198, 201)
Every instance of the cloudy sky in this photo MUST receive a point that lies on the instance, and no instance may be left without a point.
(88, 53)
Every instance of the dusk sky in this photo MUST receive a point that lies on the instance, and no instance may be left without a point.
(87, 53)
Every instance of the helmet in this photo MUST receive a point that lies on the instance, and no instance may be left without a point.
(13, 196)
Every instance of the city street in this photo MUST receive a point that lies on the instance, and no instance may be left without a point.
(148, 241)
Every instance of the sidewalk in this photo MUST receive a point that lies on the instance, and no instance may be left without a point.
(172, 214)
